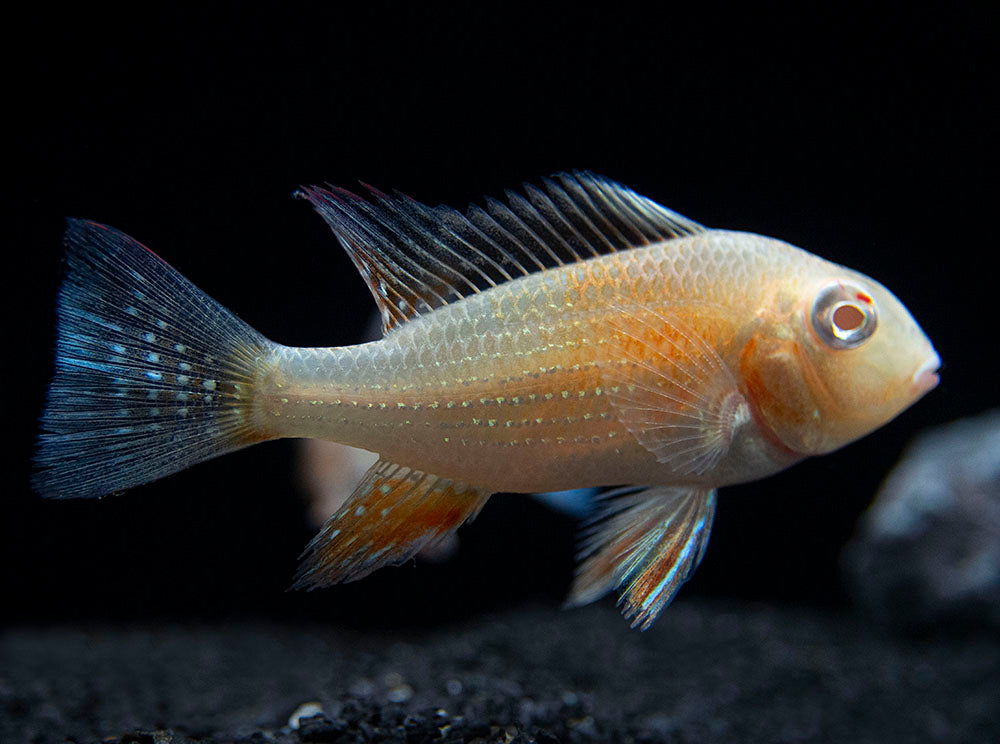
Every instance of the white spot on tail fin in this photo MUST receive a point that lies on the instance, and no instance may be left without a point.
(112, 423)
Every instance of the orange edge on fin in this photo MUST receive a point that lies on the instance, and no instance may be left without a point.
(393, 513)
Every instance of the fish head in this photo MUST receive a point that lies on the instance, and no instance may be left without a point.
(836, 355)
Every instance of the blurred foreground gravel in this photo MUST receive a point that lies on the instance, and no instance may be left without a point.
(706, 672)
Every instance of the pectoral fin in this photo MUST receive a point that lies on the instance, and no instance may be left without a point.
(672, 391)
(646, 544)
(393, 513)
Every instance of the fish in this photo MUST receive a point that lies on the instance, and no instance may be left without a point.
(575, 335)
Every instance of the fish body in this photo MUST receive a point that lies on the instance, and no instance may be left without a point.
(584, 336)
(532, 370)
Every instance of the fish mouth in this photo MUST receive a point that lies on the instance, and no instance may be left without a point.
(926, 378)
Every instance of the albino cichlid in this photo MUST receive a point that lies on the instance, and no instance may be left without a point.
(580, 335)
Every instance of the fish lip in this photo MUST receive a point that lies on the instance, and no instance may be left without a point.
(926, 377)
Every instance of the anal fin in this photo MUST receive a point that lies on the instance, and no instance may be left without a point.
(394, 512)
(646, 544)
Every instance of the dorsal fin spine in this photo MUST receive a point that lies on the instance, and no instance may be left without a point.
(455, 220)
(387, 263)
(617, 201)
(631, 234)
(332, 203)
(415, 249)
(542, 228)
(550, 216)
(434, 217)
(585, 198)
(483, 222)
(427, 232)
(502, 213)
(475, 252)
(566, 205)
(566, 211)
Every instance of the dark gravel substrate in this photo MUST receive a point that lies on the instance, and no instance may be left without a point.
(704, 673)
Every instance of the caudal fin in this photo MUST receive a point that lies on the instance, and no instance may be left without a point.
(152, 375)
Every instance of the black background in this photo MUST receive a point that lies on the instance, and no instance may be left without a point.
(862, 136)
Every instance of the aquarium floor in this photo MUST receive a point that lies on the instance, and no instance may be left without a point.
(705, 673)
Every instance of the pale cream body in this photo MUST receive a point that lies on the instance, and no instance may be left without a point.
(508, 389)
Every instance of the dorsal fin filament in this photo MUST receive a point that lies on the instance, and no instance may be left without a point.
(416, 258)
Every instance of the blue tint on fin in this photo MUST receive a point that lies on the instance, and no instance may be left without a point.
(136, 342)
(645, 543)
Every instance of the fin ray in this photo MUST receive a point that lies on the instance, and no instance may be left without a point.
(672, 391)
(393, 513)
(645, 543)
(416, 258)
(152, 375)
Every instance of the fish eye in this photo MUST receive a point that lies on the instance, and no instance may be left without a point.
(844, 316)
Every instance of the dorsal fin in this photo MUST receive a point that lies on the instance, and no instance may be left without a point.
(416, 258)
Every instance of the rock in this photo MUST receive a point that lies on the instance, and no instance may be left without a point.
(927, 552)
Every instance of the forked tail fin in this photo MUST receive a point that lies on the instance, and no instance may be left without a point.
(152, 375)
